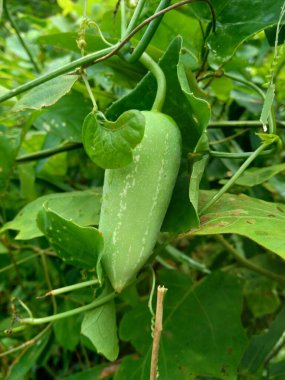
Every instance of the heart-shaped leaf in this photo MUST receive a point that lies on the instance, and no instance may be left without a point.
(109, 143)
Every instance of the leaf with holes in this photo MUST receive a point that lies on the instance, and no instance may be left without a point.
(263, 222)
(79, 246)
(68, 205)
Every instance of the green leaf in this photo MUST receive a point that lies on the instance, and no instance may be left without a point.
(199, 159)
(260, 346)
(46, 94)
(67, 330)
(27, 359)
(256, 176)
(263, 222)
(9, 146)
(109, 144)
(82, 206)
(99, 325)
(79, 246)
(89, 374)
(202, 333)
(271, 35)
(180, 214)
(237, 21)
(59, 119)
(277, 370)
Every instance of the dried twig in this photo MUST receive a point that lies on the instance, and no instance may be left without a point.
(157, 331)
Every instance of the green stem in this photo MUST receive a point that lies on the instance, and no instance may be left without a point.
(59, 71)
(47, 153)
(123, 18)
(230, 155)
(85, 8)
(87, 85)
(48, 280)
(135, 16)
(12, 266)
(271, 119)
(21, 40)
(70, 288)
(247, 263)
(148, 34)
(184, 259)
(69, 313)
(157, 72)
(232, 180)
(241, 124)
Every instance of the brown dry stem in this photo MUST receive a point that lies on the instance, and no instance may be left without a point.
(161, 291)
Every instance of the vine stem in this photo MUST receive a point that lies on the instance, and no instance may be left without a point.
(241, 124)
(87, 85)
(69, 313)
(232, 180)
(246, 263)
(157, 72)
(123, 18)
(21, 40)
(70, 288)
(161, 291)
(48, 152)
(148, 34)
(135, 16)
(99, 56)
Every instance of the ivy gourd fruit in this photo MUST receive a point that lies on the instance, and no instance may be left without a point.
(136, 198)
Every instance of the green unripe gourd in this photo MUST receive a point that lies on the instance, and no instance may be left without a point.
(136, 197)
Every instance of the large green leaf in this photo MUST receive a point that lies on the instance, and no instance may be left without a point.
(263, 222)
(79, 246)
(237, 20)
(202, 333)
(109, 144)
(66, 117)
(83, 207)
(99, 325)
(46, 94)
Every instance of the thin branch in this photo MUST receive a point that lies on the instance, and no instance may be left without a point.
(241, 124)
(21, 40)
(69, 313)
(70, 288)
(161, 291)
(247, 263)
(47, 153)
